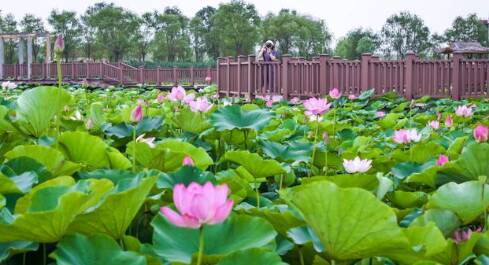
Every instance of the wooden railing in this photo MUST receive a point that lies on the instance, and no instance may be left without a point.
(112, 73)
(413, 77)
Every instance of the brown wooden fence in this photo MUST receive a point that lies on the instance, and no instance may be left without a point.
(111, 73)
(413, 77)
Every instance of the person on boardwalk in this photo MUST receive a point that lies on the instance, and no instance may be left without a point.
(267, 54)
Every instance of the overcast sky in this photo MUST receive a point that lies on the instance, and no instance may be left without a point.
(340, 15)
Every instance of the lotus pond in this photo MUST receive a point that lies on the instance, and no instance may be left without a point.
(139, 176)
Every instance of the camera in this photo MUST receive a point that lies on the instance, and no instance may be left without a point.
(269, 45)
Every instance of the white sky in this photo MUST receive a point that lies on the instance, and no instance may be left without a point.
(340, 15)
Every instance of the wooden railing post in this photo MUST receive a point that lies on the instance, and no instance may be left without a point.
(73, 70)
(87, 66)
(251, 77)
(158, 79)
(457, 92)
(364, 71)
(323, 74)
(101, 65)
(121, 76)
(285, 75)
(336, 73)
(141, 75)
(240, 79)
(192, 81)
(228, 66)
(218, 74)
(409, 89)
(175, 79)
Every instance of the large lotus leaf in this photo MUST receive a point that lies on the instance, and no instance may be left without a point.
(88, 150)
(51, 209)
(124, 130)
(93, 250)
(168, 155)
(358, 180)
(51, 158)
(471, 164)
(420, 153)
(3, 201)
(291, 152)
(445, 220)
(115, 213)
(280, 216)
(405, 199)
(194, 122)
(184, 175)
(456, 254)
(38, 106)
(252, 256)
(97, 114)
(238, 232)
(23, 164)
(17, 184)
(303, 235)
(11, 248)
(234, 117)
(117, 159)
(255, 164)
(350, 222)
(464, 199)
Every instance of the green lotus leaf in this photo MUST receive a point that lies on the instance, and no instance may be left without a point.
(350, 222)
(304, 234)
(93, 250)
(291, 152)
(235, 117)
(252, 256)
(23, 164)
(11, 248)
(3, 201)
(51, 158)
(469, 166)
(38, 106)
(97, 114)
(445, 220)
(17, 184)
(51, 209)
(255, 164)
(90, 151)
(184, 175)
(110, 216)
(168, 155)
(405, 199)
(237, 233)
(191, 121)
(280, 216)
(464, 199)
(124, 130)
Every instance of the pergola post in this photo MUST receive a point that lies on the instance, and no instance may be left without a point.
(20, 56)
(48, 55)
(2, 59)
(29, 57)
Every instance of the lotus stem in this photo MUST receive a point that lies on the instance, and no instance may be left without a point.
(483, 180)
(24, 258)
(257, 191)
(134, 149)
(201, 245)
(334, 124)
(325, 168)
(281, 181)
(301, 256)
(314, 147)
(245, 135)
(44, 258)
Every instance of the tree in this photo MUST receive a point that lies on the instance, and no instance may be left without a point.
(9, 25)
(144, 37)
(236, 26)
(172, 40)
(198, 35)
(67, 24)
(314, 37)
(33, 24)
(470, 28)
(404, 32)
(115, 29)
(211, 39)
(355, 43)
(283, 28)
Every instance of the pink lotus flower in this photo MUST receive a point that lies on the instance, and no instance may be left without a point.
(379, 114)
(357, 165)
(481, 133)
(59, 44)
(199, 205)
(464, 111)
(201, 104)
(434, 124)
(335, 93)
(404, 136)
(149, 141)
(188, 161)
(89, 124)
(189, 98)
(295, 101)
(269, 103)
(8, 85)
(177, 94)
(448, 121)
(160, 98)
(316, 106)
(442, 159)
(352, 97)
(137, 113)
(462, 235)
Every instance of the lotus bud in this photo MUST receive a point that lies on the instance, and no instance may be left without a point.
(188, 161)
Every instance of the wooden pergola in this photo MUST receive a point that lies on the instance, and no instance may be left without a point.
(21, 38)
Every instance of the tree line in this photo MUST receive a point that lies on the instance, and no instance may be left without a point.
(107, 31)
